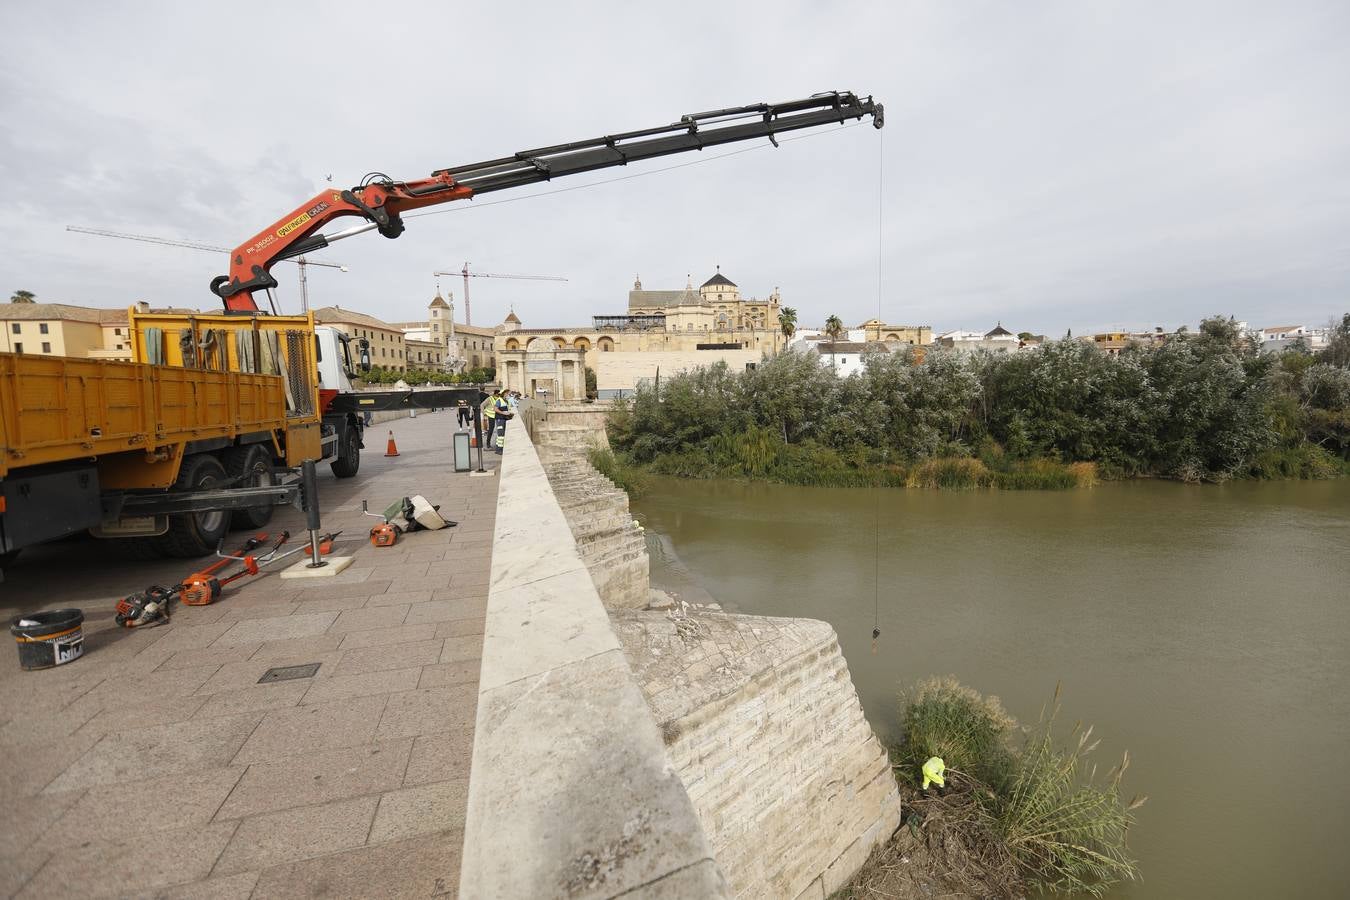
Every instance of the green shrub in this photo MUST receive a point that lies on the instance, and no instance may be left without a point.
(753, 452)
(1301, 461)
(944, 718)
(625, 476)
(1199, 408)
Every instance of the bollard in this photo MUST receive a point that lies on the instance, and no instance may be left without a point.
(310, 485)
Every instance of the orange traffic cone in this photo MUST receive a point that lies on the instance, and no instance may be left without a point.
(473, 439)
(393, 448)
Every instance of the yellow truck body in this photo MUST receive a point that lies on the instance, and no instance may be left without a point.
(196, 378)
(211, 399)
(136, 419)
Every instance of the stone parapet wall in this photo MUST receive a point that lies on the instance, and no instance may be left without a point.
(571, 793)
(762, 722)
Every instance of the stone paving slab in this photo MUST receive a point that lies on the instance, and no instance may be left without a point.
(161, 767)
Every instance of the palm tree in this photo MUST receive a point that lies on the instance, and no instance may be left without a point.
(834, 327)
(787, 321)
(22, 297)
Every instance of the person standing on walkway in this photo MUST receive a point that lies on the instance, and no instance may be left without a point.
(489, 417)
(465, 414)
(503, 413)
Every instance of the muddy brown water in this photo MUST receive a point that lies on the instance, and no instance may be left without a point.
(1206, 629)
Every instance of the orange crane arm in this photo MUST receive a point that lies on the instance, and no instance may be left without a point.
(381, 201)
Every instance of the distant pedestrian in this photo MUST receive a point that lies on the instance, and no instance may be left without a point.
(488, 416)
(503, 413)
(465, 414)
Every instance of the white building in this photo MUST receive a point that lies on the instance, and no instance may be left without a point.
(1281, 337)
(996, 340)
(844, 358)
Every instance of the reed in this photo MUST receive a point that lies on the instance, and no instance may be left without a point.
(952, 473)
(1065, 829)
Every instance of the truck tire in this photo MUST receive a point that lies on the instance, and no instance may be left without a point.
(196, 534)
(254, 462)
(348, 460)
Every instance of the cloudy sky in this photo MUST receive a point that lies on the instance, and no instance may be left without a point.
(1049, 164)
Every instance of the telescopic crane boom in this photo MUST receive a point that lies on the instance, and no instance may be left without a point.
(381, 201)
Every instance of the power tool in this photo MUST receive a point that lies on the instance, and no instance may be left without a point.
(153, 605)
(385, 534)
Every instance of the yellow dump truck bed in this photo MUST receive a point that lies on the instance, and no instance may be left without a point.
(133, 417)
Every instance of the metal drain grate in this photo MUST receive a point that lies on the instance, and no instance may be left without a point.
(289, 673)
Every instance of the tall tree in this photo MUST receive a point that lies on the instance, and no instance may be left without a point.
(834, 327)
(787, 321)
(1337, 351)
(23, 297)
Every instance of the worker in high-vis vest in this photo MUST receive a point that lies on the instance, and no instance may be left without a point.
(933, 771)
(489, 418)
(502, 414)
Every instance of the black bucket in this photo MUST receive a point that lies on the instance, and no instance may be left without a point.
(49, 639)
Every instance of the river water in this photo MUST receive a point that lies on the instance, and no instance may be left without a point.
(1205, 629)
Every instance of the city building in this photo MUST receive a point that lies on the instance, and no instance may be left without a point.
(1281, 337)
(661, 332)
(52, 329)
(463, 347)
(845, 358)
(116, 340)
(1112, 342)
(64, 329)
(422, 354)
(915, 335)
(716, 308)
(388, 347)
(997, 340)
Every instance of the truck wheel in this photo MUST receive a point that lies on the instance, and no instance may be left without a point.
(349, 455)
(253, 462)
(196, 534)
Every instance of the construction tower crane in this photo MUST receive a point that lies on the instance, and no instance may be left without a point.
(466, 274)
(201, 245)
(468, 319)
(381, 200)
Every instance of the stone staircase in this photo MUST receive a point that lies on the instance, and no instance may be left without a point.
(609, 541)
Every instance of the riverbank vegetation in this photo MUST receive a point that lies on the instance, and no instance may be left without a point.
(627, 477)
(1012, 816)
(1202, 407)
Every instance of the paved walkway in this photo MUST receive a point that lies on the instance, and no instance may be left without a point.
(158, 766)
